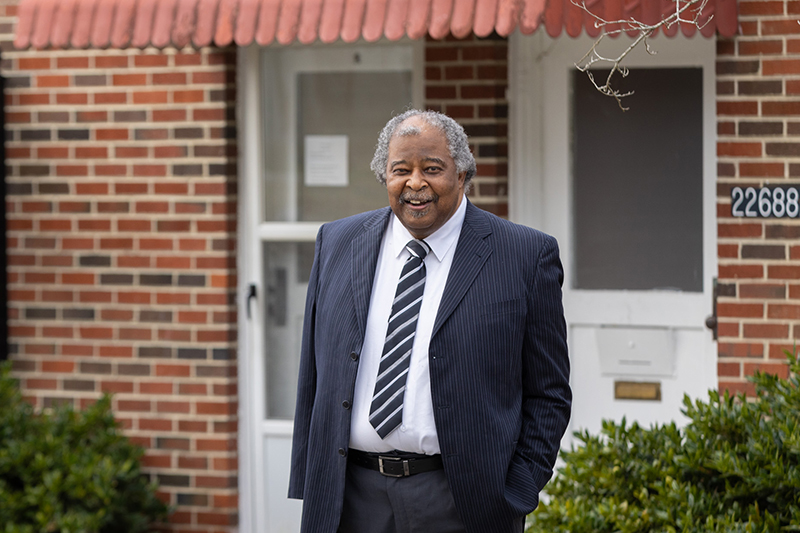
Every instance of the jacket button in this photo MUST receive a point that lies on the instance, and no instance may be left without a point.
(354, 356)
(342, 452)
(346, 404)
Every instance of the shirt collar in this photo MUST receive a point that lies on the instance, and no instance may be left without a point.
(440, 241)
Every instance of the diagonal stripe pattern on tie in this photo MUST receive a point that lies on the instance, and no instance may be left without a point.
(386, 410)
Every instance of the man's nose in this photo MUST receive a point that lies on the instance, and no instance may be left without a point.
(416, 180)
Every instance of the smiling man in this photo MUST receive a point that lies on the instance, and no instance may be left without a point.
(434, 380)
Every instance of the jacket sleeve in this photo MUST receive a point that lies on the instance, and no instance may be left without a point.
(307, 382)
(547, 397)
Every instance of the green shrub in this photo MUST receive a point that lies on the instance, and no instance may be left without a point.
(735, 467)
(68, 471)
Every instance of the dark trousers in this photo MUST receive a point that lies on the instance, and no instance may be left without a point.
(374, 503)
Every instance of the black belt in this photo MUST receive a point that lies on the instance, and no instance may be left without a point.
(396, 464)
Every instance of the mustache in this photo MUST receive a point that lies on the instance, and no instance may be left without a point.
(407, 197)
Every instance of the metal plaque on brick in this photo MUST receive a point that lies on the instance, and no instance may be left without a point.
(781, 201)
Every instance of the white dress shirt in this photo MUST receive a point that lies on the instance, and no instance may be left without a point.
(417, 433)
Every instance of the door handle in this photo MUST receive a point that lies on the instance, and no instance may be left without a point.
(711, 320)
(251, 293)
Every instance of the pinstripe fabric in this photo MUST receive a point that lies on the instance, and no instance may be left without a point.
(498, 363)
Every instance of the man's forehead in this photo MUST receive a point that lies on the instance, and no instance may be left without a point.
(416, 125)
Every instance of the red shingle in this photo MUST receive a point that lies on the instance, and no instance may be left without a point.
(161, 23)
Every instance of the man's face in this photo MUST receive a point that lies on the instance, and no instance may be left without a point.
(425, 189)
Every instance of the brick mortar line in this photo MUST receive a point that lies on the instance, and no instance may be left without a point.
(142, 379)
(758, 99)
(19, 304)
(110, 270)
(124, 108)
(222, 399)
(92, 54)
(82, 323)
(117, 180)
(212, 254)
(92, 90)
(94, 177)
(116, 143)
(152, 125)
(78, 340)
(77, 233)
(173, 417)
(760, 261)
(144, 160)
(68, 233)
(90, 322)
(124, 143)
(191, 471)
(42, 161)
(51, 303)
(106, 306)
(125, 160)
(732, 299)
(765, 159)
(103, 90)
(131, 68)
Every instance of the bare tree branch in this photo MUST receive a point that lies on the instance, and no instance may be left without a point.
(686, 12)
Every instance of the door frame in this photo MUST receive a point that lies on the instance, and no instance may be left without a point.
(540, 143)
(251, 229)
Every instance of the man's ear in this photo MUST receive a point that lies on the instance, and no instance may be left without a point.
(462, 177)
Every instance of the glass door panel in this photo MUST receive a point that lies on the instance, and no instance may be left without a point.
(638, 192)
(287, 267)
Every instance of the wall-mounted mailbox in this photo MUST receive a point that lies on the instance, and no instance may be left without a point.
(636, 351)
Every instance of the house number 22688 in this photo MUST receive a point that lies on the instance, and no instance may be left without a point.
(764, 202)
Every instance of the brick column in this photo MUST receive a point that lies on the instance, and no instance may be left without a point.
(758, 109)
(467, 79)
(121, 211)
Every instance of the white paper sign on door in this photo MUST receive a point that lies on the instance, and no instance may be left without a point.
(326, 161)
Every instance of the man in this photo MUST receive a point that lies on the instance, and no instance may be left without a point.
(433, 389)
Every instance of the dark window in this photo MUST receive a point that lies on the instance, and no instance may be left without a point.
(638, 182)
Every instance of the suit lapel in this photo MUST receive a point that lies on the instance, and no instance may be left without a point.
(472, 252)
(364, 251)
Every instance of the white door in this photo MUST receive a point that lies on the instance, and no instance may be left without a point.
(631, 199)
(310, 119)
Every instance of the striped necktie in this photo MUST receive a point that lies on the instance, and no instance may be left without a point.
(386, 410)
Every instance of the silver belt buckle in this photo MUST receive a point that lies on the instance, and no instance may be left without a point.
(405, 473)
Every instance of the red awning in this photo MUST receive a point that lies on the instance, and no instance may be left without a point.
(161, 23)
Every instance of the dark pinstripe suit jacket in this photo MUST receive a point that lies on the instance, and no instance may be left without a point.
(498, 365)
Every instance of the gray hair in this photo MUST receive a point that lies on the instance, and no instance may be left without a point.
(457, 142)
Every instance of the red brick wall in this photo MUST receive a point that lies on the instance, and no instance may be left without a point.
(758, 108)
(121, 213)
(467, 79)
